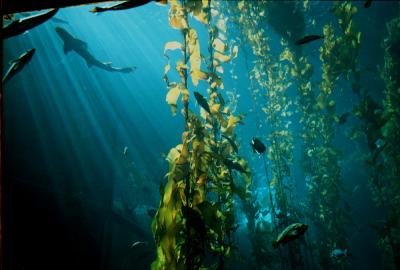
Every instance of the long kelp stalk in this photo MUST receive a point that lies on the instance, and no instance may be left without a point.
(195, 217)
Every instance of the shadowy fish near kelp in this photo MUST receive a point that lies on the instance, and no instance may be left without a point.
(80, 47)
(232, 143)
(18, 64)
(20, 26)
(125, 151)
(338, 253)
(126, 5)
(257, 146)
(151, 212)
(343, 118)
(234, 165)
(291, 233)
(308, 39)
(137, 244)
(202, 101)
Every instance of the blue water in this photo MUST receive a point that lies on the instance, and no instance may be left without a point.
(66, 126)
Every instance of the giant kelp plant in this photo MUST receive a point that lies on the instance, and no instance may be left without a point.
(320, 158)
(195, 217)
(380, 124)
(268, 76)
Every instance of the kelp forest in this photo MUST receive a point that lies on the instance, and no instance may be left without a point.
(211, 179)
(224, 135)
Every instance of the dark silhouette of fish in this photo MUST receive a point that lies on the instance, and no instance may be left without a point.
(20, 26)
(125, 5)
(343, 118)
(308, 39)
(202, 101)
(367, 3)
(232, 143)
(18, 64)
(258, 146)
(80, 47)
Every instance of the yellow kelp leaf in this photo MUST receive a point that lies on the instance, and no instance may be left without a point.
(185, 95)
(198, 75)
(172, 97)
(241, 5)
(176, 16)
(235, 51)
(219, 69)
(173, 154)
(202, 179)
(232, 120)
(203, 113)
(215, 108)
(286, 55)
(219, 45)
(168, 190)
(172, 45)
(221, 57)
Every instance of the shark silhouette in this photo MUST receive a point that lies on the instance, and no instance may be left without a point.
(80, 47)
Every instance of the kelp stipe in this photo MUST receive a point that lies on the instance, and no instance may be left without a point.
(189, 224)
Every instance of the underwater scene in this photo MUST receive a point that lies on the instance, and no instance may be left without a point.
(202, 134)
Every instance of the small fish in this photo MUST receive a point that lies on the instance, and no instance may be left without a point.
(20, 26)
(338, 253)
(18, 64)
(257, 146)
(367, 3)
(151, 212)
(308, 39)
(125, 152)
(232, 143)
(343, 118)
(202, 102)
(125, 5)
(136, 244)
(291, 233)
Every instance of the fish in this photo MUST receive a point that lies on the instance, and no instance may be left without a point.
(80, 47)
(257, 146)
(343, 118)
(233, 165)
(202, 102)
(232, 143)
(125, 152)
(290, 233)
(18, 64)
(308, 39)
(338, 253)
(151, 212)
(20, 26)
(367, 3)
(136, 244)
(126, 5)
